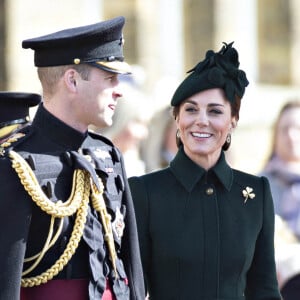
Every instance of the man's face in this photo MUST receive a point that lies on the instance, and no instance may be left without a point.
(98, 98)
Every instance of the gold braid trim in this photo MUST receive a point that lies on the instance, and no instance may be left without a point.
(6, 130)
(59, 209)
(7, 142)
(82, 188)
(100, 207)
(71, 246)
(48, 244)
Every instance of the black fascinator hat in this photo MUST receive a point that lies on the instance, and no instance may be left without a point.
(217, 70)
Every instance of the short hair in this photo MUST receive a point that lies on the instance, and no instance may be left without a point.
(49, 76)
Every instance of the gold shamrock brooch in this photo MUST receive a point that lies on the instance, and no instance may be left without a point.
(247, 193)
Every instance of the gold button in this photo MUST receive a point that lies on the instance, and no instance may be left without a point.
(209, 191)
(76, 61)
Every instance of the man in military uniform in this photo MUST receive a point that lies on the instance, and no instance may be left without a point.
(65, 196)
(14, 112)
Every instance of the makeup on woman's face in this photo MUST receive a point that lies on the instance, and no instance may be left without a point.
(204, 121)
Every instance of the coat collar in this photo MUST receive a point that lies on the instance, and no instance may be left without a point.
(189, 173)
(56, 130)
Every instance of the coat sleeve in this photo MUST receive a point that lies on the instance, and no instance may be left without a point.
(261, 278)
(130, 247)
(140, 201)
(15, 214)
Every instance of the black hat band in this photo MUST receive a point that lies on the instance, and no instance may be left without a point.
(85, 53)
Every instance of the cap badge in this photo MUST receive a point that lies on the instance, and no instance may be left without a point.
(111, 58)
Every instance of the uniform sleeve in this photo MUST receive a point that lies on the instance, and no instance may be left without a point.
(140, 201)
(261, 279)
(130, 247)
(15, 212)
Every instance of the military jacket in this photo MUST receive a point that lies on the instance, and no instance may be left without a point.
(205, 234)
(53, 150)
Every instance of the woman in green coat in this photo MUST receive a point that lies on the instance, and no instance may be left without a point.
(205, 229)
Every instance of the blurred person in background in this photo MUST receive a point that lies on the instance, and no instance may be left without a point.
(130, 126)
(160, 146)
(206, 230)
(15, 112)
(283, 171)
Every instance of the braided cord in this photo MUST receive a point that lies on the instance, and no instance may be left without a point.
(59, 209)
(71, 246)
(100, 207)
(48, 244)
(4, 143)
(82, 188)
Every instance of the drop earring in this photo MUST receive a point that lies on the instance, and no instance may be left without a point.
(228, 138)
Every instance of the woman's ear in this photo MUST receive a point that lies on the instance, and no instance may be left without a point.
(233, 123)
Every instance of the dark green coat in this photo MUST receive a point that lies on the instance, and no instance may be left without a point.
(199, 239)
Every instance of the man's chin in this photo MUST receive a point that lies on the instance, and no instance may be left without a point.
(107, 123)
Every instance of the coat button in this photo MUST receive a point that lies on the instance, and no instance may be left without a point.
(209, 191)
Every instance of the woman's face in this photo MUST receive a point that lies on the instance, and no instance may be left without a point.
(287, 144)
(204, 121)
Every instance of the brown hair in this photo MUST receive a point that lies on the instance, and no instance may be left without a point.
(49, 76)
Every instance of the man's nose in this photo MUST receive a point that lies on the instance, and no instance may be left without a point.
(117, 93)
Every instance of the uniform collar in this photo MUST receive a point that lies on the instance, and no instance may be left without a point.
(189, 173)
(56, 130)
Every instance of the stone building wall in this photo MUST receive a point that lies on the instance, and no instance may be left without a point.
(165, 38)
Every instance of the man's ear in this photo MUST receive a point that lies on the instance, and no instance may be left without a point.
(70, 79)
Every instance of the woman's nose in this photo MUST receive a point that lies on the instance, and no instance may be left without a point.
(202, 119)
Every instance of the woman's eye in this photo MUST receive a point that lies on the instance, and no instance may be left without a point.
(190, 109)
(216, 111)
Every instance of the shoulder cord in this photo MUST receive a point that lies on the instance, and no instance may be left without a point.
(100, 207)
(48, 244)
(7, 130)
(4, 143)
(31, 185)
(78, 201)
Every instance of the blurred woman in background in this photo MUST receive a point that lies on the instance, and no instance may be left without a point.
(283, 171)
